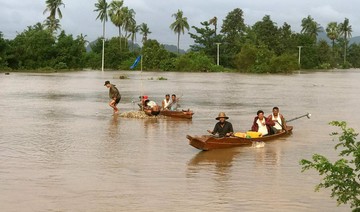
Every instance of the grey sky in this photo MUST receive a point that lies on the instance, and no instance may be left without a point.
(78, 15)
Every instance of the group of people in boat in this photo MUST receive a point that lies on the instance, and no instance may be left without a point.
(153, 108)
(145, 104)
(270, 125)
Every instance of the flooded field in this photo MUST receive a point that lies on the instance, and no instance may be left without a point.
(62, 149)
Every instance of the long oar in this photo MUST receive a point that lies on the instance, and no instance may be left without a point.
(308, 115)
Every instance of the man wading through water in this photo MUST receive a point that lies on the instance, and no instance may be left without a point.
(114, 95)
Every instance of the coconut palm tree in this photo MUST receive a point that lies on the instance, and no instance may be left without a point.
(310, 27)
(332, 31)
(179, 25)
(133, 30)
(115, 14)
(345, 30)
(145, 31)
(53, 6)
(102, 8)
(213, 21)
(128, 21)
(52, 25)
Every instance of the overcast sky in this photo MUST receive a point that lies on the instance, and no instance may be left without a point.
(79, 16)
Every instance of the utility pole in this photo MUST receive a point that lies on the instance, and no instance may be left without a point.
(217, 53)
(299, 56)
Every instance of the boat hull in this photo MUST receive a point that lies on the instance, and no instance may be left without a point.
(207, 142)
(178, 114)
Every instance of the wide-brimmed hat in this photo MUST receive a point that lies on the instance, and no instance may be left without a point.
(221, 115)
(106, 82)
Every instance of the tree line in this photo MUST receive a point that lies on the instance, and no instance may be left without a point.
(263, 47)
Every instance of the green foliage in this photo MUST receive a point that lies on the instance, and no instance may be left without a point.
(233, 29)
(342, 176)
(153, 54)
(4, 47)
(354, 55)
(194, 61)
(284, 63)
(161, 78)
(255, 59)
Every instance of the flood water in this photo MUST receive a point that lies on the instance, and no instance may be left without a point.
(61, 148)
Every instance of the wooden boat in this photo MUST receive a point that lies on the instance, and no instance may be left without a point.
(208, 142)
(186, 114)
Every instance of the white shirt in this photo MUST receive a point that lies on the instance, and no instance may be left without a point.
(151, 104)
(262, 128)
(278, 119)
(166, 104)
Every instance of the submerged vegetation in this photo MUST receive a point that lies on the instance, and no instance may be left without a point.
(263, 47)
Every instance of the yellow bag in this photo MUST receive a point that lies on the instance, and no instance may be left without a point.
(240, 134)
(253, 134)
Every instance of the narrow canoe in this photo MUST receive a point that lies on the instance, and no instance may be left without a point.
(208, 142)
(186, 114)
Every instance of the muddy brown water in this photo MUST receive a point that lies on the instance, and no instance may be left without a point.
(61, 148)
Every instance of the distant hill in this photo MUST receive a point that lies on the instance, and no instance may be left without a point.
(170, 48)
(173, 48)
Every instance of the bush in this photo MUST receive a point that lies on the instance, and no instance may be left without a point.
(193, 61)
(343, 176)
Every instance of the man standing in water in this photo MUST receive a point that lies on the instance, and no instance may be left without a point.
(114, 95)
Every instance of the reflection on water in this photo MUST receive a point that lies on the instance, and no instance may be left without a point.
(62, 149)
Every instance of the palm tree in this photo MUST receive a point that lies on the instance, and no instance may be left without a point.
(345, 30)
(128, 21)
(213, 21)
(310, 27)
(133, 30)
(52, 25)
(144, 30)
(179, 25)
(332, 31)
(102, 8)
(115, 14)
(53, 6)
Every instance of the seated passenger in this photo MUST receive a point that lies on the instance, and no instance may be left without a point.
(142, 102)
(166, 102)
(174, 103)
(262, 124)
(223, 128)
(152, 107)
(278, 119)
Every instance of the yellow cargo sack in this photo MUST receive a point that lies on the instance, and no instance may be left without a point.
(253, 134)
(240, 134)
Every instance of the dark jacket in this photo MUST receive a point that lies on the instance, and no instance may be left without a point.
(222, 130)
(114, 92)
(268, 123)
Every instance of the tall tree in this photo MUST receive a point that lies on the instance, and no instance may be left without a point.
(52, 25)
(266, 32)
(102, 8)
(128, 21)
(53, 6)
(345, 31)
(332, 31)
(310, 27)
(133, 30)
(213, 21)
(115, 14)
(145, 31)
(233, 29)
(179, 25)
